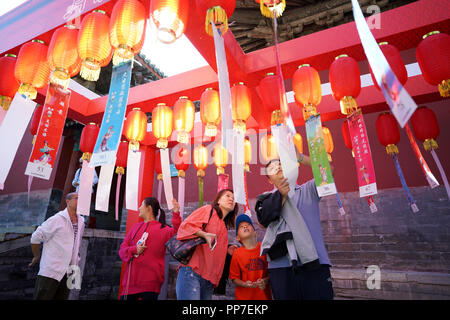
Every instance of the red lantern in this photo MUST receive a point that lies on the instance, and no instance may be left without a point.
(433, 56)
(34, 126)
(135, 127)
(158, 168)
(32, 69)
(241, 106)
(217, 11)
(270, 8)
(345, 82)
(88, 139)
(8, 82)
(170, 18)
(388, 132)
(395, 62)
(182, 161)
(270, 91)
(307, 89)
(425, 127)
(121, 157)
(346, 136)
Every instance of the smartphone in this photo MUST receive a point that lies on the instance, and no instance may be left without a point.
(214, 244)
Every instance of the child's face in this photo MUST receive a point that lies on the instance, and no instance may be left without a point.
(245, 231)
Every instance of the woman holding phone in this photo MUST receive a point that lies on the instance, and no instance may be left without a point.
(143, 249)
(197, 279)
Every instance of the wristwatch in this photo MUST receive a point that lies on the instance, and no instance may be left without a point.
(299, 160)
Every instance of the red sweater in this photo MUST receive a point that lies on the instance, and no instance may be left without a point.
(147, 270)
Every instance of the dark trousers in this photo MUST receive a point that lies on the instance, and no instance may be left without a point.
(287, 284)
(51, 289)
(141, 296)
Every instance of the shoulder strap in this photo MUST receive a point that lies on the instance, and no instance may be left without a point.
(210, 215)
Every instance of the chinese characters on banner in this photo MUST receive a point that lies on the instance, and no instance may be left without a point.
(111, 128)
(49, 133)
(319, 158)
(363, 156)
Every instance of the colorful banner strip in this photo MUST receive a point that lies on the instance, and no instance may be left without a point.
(167, 179)
(423, 164)
(48, 137)
(398, 99)
(85, 190)
(363, 156)
(12, 130)
(441, 170)
(238, 167)
(132, 180)
(412, 203)
(104, 187)
(319, 158)
(113, 118)
(224, 88)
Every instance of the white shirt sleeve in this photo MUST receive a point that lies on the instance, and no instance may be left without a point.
(46, 230)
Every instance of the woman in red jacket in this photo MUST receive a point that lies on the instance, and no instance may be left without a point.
(196, 280)
(144, 249)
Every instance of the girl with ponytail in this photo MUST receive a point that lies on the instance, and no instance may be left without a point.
(144, 250)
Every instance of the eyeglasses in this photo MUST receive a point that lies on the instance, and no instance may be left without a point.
(273, 168)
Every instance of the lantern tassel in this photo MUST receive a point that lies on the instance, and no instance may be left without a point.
(218, 16)
(90, 70)
(275, 10)
(5, 102)
(119, 180)
(348, 105)
(405, 186)
(430, 144)
(200, 191)
(122, 54)
(61, 77)
(391, 149)
(442, 172)
(28, 91)
(444, 88)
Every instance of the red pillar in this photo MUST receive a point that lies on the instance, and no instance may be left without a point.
(146, 173)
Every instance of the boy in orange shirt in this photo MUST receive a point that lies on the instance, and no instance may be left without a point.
(248, 269)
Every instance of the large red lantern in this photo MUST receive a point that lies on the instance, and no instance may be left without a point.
(271, 8)
(345, 82)
(135, 127)
(170, 18)
(183, 118)
(433, 56)
(162, 121)
(271, 91)
(127, 29)
(395, 62)
(32, 69)
(62, 55)
(388, 132)
(210, 111)
(122, 157)
(8, 82)
(217, 11)
(346, 136)
(34, 126)
(182, 161)
(94, 46)
(307, 89)
(425, 127)
(88, 139)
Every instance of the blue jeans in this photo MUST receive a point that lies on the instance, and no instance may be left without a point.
(191, 286)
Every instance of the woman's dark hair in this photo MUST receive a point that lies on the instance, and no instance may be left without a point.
(231, 216)
(154, 203)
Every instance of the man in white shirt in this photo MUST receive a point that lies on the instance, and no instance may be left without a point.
(61, 235)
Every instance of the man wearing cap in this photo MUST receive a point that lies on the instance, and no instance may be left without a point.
(299, 267)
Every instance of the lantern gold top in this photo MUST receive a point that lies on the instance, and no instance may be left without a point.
(161, 104)
(382, 43)
(240, 83)
(430, 34)
(37, 40)
(208, 89)
(304, 65)
(124, 141)
(100, 11)
(10, 55)
(70, 26)
(270, 74)
(182, 97)
(92, 123)
(136, 109)
(341, 56)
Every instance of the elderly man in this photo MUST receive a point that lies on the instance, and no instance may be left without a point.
(299, 267)
(61, 235)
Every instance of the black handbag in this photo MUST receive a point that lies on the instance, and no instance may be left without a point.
(182, 250)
